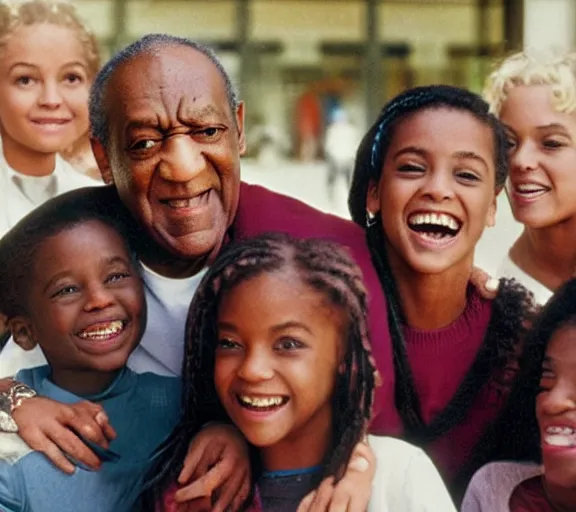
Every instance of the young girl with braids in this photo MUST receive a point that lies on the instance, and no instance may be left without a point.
(424, 187)
(277, 341)
(540, 422)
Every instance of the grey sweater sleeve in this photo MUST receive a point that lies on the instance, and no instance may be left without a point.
(492, 485)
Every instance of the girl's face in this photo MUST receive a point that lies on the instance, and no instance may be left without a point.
(277, 357)
(86, 305)
(542, 154)
(556, 408)
(437, 189)
(44, 88)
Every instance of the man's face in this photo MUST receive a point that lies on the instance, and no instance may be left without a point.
(174, 149)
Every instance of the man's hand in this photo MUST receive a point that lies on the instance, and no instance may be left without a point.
(352, 493)
(216, 471)
(52, 428)
(486, 285)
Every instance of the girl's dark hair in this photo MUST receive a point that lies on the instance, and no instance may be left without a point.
(323, 266)
(516, 435)
(511, 310)
(19, 247)
(374, 146)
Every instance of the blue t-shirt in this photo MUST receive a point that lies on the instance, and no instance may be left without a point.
(142, 408)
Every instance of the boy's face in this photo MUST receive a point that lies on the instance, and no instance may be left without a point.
(86, 306)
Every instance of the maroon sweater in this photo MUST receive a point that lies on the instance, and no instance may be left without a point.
(440, 360)
(530, 496)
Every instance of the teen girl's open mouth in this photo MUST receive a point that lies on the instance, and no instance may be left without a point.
(434, 229)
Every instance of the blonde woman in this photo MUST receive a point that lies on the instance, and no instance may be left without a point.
(535, 98)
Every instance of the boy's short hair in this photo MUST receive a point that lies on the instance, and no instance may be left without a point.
(557, 71)
(19, 247)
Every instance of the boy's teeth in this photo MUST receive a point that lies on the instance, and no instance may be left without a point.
(270, 401)
(101, 331)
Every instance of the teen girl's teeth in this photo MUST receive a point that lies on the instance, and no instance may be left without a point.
(434, 225)
(268, 402)
(560, 436)
(102, 331)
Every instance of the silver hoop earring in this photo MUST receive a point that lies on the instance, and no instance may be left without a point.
(371, 219)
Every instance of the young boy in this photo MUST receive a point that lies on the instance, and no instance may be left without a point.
(69, 283)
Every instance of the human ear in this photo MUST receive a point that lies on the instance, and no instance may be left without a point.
(101, 157)
(22, 332)
(240, 126)
(373, 198)
(491, 214)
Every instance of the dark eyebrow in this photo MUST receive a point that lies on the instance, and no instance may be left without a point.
(291, 325)
(277, 328)
(465, 155)
(423, 153)
(411, 149)
(204, 114)
(145, 122)
(108, 262)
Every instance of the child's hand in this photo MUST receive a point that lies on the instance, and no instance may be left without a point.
(218, 466)
(352, 493)
(486, 285)
(49, 427)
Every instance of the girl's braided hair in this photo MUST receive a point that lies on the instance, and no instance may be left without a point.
(326, 268)
(513, 308)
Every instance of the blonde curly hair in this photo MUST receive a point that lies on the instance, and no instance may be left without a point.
(19, 13)
(524, 68)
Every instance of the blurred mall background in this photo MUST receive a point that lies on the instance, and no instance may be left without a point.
(303, 65)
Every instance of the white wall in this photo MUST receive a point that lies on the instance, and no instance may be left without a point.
(549, 24)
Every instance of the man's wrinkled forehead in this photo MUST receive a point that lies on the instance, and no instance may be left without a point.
(167, 77)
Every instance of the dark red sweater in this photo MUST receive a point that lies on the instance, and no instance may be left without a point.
(440, 359)
(529, 496)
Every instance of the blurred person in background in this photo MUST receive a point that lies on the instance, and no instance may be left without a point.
(535, 98)
(342, 139)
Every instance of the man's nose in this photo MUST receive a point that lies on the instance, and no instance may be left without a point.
(183, 159)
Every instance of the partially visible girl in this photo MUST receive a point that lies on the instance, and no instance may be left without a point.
(547, 437)
(425, 185)
(535, 98)
(48, 59)
(278, 342)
